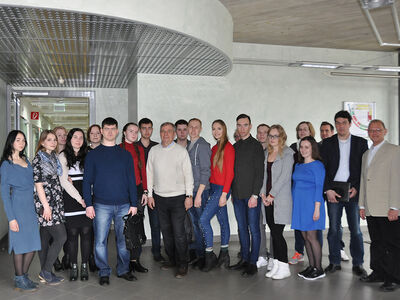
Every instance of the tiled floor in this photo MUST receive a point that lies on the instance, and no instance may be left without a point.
(217, 284)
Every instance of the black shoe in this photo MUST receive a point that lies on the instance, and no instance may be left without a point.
(359, 271)
(306, 271)
(84, 272)
(167, 265)
(211, 261)
(92, 263)
(314, 274)
(332, 268)
(192, 255)
(388, 286)
(373, 277)
(57, 265)
(159, 258)
(181, 272)
(66, 262)
(73, 273)
(199, 263)
(128, 276)
(104, 280)
(137, 267)
(239, 266)
(250, 270)
(224, 259)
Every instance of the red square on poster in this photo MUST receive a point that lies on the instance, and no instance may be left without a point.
(34, 115)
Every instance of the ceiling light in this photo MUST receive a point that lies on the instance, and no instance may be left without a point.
(388, 69)
(372, 4)
(35, 93)
(320, 65)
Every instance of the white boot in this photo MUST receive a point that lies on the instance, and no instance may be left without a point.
(270, 264)
(273, 270)
(283, 271)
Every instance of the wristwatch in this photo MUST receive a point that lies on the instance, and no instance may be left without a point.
(189, 196)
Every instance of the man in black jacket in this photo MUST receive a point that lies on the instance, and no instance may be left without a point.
(246, 186)
(342, 155)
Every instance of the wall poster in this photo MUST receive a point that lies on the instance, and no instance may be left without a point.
(362, 113)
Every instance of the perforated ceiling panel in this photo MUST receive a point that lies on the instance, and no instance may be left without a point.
(40, 46)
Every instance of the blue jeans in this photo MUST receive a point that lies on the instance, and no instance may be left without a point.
(335, 211)
(155, 231)
(195, 214)
(211, 209)
(101, 225)
(248, 218)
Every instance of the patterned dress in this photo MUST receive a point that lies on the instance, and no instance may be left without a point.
(46, 169)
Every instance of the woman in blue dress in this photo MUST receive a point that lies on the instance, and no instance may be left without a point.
(17, 194)
(308, 214)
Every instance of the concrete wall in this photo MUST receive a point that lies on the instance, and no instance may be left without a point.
(3, 136)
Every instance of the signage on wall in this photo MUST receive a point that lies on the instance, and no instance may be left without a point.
(34, 115)
(361, 113)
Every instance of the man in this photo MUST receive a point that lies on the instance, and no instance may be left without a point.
(200, 158)
(146, 130)
(110, 176)
(246, 186)
(379, 204)
(182, 133)
(170, 185)
(342, 154)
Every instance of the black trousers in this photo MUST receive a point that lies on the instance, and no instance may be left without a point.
(278, 241)
(49, 252)
(385, 247)
(172, 212)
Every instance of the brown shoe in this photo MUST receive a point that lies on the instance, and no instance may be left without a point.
(167, 265)
(181, 272)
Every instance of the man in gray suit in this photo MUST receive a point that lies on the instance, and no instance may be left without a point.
(379, 203)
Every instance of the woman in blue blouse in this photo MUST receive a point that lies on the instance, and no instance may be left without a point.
(308, 214)
(17, 194)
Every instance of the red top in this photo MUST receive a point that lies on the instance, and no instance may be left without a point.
(225, 178)
(139, 174)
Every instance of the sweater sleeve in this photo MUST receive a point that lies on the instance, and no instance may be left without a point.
(285, 176)
(187, 173)
(143, 168)
(6, 190)
(130, 173)
(65, 183)
(149, 173)
(258, 159)
(229, 163)
(88, 179)
(319, 177)
(205, 163)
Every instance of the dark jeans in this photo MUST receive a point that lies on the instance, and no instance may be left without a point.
(49, 252)
(155, 231)
(248, 218)
(299, 240)
(385, 247)
(335, 211)
(278, 241)
(172, 213)
(85, 234)
(195, 214)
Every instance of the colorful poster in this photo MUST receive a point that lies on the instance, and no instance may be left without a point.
(362, 113)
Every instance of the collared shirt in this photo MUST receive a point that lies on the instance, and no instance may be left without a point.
(343, 172)
(372, 152)
(168, 146)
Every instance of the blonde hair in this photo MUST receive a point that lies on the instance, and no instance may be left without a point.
(219, 156)
(310, 128)
(282, 139)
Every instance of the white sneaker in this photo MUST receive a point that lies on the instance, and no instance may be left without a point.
(283, 271)
(261, 262)
(273, 270)
(270, 264)
(344, 255)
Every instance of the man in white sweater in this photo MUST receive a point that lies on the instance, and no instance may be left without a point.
(170, 190)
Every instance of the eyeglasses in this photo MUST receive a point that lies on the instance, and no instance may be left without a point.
(375, 130)
(273, 137)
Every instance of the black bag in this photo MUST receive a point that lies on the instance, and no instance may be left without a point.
(134, 233)
(189, 231)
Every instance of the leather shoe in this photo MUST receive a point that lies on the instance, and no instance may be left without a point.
(250, 270)
(373, 277)
(136, 266)
(181, 272)
(332, 268)
(104, 280)
(128, 276)
(359, 271)
(167, 265)
(242, 264)
(388, 286)
(159, 258)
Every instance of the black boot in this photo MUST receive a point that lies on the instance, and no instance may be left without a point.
(192, 256)
(92, 263)
(66, 262)
(84, 272)
(211, 261)
(57, 265)
(224, 259)
(137, 267)
(73, 273)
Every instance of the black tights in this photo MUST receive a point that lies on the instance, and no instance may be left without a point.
(85, 234)
(313, 248)
(22, 262)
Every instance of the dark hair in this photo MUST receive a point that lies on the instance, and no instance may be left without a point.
(42, 138)
(262, 125)
(90, 130)
(314, 149)
(181, 122)
(343, 114)
(135, 145)
(109, 121)
(325, 123)
(70, 153)
(9, 148)
(243, 116)
(145, 121)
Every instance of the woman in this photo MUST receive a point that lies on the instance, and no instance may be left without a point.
(49, 204)
(17, 194)
(303, 129)
(222, 162)
(308, 204)
(93, 136)
(129, 143)
(61, 134)
(277, 197)
(72, 160)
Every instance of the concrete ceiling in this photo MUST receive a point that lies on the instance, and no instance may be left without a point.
(337, 24)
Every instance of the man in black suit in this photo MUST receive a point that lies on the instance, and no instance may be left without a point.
(342, 155)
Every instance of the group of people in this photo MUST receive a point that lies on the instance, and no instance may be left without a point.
(77, 190)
